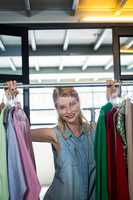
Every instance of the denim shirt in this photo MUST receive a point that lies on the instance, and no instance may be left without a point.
(74, 167)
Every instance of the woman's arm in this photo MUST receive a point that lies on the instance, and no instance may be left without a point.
(43, 135)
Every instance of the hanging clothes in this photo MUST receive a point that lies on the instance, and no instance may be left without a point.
(17, 164)
(129, 134)
(111, 154)
(120, 126)
(101, 155)
(122, 191)
(33, 186)
(4, 192)
(117, 173)
(16, 178)
(24, 125)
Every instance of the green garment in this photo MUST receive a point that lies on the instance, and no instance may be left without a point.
(101, 155)
(4, 193)
(121, 126)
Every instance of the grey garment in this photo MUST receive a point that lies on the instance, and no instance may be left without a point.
(129, 134)
(74, 168)
(16, 179)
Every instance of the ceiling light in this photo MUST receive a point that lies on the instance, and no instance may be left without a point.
(39, 81)
(109, 65)
(123, 50)
(95, 79)
(117, 13)
(76, 79)
(129, 44)
(58, 80)
(61, 64)
(2, 46)
(12, 64)
(100, 40)
(75, 4)
(66, 40)
(86, 63)
(37, 65)
(130, 66)
(33, 40)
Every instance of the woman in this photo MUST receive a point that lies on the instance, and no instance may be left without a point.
(72, 147)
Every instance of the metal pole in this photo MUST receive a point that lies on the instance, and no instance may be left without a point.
(69, 85)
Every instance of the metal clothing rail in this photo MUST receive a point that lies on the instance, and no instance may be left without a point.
(51, 85)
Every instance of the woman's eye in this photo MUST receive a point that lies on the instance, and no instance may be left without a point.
(73, 103)
(62, 107)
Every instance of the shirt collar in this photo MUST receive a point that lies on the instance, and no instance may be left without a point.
(68, 133)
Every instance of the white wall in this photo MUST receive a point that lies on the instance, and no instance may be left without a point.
(44, 162)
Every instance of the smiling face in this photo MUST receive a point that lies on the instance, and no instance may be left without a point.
(68, 108)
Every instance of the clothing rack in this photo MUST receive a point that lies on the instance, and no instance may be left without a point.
(51, 85)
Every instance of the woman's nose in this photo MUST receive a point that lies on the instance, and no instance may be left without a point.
(69, 110)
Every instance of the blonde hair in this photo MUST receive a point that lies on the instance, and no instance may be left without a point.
(67, 92)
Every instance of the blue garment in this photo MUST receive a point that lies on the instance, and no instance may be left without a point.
(17, 184)
(74, 168)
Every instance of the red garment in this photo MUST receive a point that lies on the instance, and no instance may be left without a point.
(117, 176)
(111, 160)
(122, 182)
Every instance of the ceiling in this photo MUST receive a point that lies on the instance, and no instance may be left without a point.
(74, 55)
(65, 10)
(65, 55)
(107, 8)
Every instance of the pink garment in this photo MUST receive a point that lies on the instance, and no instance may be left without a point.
(32, 182)
(25, 128)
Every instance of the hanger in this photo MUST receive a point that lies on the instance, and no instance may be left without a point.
(113, 91)
(11, 92)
